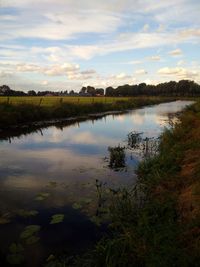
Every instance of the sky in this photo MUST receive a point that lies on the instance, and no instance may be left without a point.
(66, 44)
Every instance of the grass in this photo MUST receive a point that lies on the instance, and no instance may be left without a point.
(15, 112)
(56, 100)
(157, 223)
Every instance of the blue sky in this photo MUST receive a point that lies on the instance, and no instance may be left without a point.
(67, 44)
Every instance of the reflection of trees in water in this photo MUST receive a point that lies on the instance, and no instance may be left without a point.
(146, 147)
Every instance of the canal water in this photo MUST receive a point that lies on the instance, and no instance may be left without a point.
(48, 181)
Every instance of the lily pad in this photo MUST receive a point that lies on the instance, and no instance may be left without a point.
(42, 196)
(50, 258)
(27, 213)
(15, 259)
(52, 184)
(77, 206)
(29, 231)
(57, 218)
(16, 248)
(15, 255)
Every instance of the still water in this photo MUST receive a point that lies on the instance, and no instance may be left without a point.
(53, 171)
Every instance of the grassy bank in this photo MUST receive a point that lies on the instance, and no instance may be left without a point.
(157, 223)
(12, 115)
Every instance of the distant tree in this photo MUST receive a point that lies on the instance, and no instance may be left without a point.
(110, 91)
(83, 90)
(91, 90)
(4, 88)
(32, 93)
(99, 91)
(71, 92)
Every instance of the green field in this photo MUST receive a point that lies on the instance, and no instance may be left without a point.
(54, 100)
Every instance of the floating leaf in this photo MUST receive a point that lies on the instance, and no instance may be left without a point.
(52, 184)
(77, 206)
(39, 198)
(50, 258)
(32, 240)
(42, 196)
(27, 213)
(16, 248)
(29, 231)
(33, 227)
(15, 259)
(57, 218)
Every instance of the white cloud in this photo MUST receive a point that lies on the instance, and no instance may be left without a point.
(155, 58)
(180, 62)
(176, 52)
(55, 23)
(134, 62)
(161, 28)
(179, 72)
(44, 83)
(23, 67)
(59, 70)
(141, 72)
(122, 76)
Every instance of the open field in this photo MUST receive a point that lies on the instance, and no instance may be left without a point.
(54, 100)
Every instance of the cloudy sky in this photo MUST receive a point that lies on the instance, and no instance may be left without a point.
(66, 44)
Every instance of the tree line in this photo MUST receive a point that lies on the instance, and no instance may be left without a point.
(172, 88)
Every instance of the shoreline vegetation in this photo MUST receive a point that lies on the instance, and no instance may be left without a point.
(156, 223)
(21, 115)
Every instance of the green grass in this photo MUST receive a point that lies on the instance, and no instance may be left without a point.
(55, 100)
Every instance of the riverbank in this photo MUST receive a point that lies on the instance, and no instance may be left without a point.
(26, 115)
(157, 223)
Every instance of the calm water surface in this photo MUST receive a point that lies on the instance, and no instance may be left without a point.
(62, 166)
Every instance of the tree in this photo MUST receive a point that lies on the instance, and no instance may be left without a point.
(99, 91)
(32, 93)
(91, 90)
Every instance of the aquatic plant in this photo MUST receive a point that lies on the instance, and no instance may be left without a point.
(29, 235)
(42, 196)
(27, 213)
(57, 218)
(116, 157)
(15, 256)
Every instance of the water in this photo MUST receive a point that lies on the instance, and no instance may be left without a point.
(53, 171)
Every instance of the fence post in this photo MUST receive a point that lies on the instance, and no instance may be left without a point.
(40, 102)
